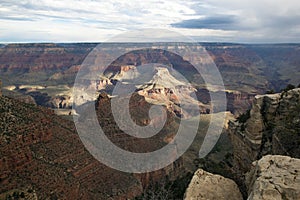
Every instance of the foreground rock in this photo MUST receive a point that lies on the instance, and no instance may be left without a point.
(274, 177)
(206, 186)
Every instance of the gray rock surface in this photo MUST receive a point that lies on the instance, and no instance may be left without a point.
(274, 177)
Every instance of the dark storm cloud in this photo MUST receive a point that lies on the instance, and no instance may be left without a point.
(211, 22)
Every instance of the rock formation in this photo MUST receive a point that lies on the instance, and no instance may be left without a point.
(162, 85)
(206, 186)
(139, 113)
(270, 127)
(274, 177)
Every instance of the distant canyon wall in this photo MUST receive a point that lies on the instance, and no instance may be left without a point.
(246, 69)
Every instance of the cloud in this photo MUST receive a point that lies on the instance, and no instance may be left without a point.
(257, 21)
(210, 22)
(98, 20)
(16, 18)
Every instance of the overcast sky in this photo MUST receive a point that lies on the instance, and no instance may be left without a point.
(246, 21)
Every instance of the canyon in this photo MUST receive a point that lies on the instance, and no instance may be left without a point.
(43, 156)
(247, 70)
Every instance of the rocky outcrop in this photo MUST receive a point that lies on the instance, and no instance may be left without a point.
(205, 186)
(163, 86)
(270, 127)
(274, 177)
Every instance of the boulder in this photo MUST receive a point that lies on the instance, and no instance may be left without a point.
(205, 186)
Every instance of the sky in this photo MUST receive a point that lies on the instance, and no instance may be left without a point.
(240, 21)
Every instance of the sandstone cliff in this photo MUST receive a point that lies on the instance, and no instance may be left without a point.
(274, 177)
(206, 186)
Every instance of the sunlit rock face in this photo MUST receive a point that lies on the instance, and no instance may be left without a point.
(161, 85)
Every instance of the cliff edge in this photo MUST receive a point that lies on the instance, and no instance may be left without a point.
(270, 127)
